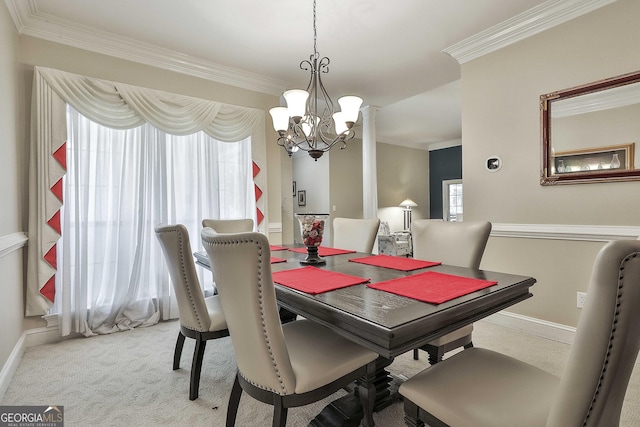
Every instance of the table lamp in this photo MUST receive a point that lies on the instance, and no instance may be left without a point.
(407, 204)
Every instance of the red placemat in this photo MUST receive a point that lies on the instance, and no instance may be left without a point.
(313, 280)
(275, 259)
(324, 251)
(277, 248)
(395, 262)
(432, 287)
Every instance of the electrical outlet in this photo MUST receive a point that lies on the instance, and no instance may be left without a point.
(582, 296)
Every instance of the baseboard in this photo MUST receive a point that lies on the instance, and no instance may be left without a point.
(29, 338)
(45, 335)
(533, 326)
(11, 365)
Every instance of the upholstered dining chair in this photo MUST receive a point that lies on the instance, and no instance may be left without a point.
(286, 365)
(480, 387)
(454, 243)
(229, 225)
(355, 234)
(200, 318)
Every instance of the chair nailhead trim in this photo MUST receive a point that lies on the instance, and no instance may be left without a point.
(233, 241)
(183, 271)
(611, 336)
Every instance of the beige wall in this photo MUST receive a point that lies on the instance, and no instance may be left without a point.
(346, 180)
(402, 173)
(500, 111)
(12, 163)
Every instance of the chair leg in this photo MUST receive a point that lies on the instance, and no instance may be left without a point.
(279, 413)
(178, 351)
(196, 367)
(411, 414)
(234, 402)
(416, 354)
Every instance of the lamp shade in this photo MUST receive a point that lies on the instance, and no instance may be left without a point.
(350, 106)
(280, 118)
(408, 203)
(339, 122)
(296, 102)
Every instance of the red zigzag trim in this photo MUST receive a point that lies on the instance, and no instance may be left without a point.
(259, 214)
(49, 289)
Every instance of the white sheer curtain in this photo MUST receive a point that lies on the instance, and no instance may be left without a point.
(119, 185)
(118, 106)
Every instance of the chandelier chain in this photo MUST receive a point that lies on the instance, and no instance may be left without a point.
(315, 32)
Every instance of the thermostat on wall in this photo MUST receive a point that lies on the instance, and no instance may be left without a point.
(493, 164)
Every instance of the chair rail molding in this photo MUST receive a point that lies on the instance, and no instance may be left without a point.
(592, 233)
(526, 24)
(12, 242)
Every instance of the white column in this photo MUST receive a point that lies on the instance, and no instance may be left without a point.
(369, 169)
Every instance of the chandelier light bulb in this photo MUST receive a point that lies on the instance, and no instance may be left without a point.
(339, 122)
(306, 125)
(350, 106)
(296, 102)
(280, 118)
(306, 128)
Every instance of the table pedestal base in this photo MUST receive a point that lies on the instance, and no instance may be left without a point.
(347, 411)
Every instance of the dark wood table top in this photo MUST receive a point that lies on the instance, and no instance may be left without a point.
(387, 323)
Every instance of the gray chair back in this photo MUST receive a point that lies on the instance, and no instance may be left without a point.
(606, 345)
(453, 243)
(229, 225)
(355, 234)
(241, 263)
(192, 310)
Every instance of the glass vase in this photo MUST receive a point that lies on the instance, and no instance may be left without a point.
(615, 162)
(311, 231)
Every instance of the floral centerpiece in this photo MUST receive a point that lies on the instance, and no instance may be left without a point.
(311, 231)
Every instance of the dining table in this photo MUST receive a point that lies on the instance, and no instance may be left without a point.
(387, 309)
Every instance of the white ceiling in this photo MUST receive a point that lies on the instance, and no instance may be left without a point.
(388, 52)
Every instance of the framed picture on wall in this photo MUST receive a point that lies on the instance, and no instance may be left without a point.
(294, 189)
(302, 198)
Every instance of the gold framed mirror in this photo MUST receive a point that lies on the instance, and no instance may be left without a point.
(589, 132)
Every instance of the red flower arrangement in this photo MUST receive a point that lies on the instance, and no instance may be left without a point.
(312, 228)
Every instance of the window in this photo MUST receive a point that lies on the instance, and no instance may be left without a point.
(452, 200)
(119, 185)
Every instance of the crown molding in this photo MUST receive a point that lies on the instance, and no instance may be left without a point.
(31, 22)
(533, 21)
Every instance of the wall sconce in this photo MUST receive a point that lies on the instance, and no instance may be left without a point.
(406, 205)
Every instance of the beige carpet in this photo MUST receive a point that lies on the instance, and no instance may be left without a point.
(125, 379)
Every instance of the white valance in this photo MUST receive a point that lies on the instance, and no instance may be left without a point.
(123, 106)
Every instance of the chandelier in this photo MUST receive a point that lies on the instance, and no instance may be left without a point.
(309, 122)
